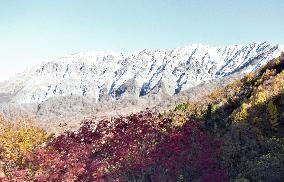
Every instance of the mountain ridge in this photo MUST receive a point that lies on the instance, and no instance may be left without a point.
(106, 74)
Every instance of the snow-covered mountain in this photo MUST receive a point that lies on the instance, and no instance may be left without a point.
(106, 75)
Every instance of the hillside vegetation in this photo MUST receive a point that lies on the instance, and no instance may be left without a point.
(248, 115)
(234, 134)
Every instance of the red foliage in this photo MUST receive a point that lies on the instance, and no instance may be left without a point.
(188, 151)
(139, 146)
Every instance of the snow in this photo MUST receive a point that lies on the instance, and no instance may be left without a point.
(90, 73)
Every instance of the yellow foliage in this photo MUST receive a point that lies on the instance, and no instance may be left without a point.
(272, 115)
(214, 108)
(277, 61)
(179, 121)
(19, 137)
(242, 114)
(266, 76)
(250, 76)
(260, 98)
(278, 84)
(268, 73)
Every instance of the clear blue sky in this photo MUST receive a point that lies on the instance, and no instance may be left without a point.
(33, 30)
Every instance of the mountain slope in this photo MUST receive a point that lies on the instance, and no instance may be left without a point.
(233, 134)
(110, 76)
(249, 115)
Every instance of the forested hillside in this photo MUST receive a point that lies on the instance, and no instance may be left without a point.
(248, 115)
(234, 134)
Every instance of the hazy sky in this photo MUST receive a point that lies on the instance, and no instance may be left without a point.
(33, 30)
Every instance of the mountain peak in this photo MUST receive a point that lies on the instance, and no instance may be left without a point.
(97, 73)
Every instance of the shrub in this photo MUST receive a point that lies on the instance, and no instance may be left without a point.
(139, 147)
(18, 138)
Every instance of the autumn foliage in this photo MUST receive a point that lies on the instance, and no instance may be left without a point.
(139, 147)
(182, 144)
(18, 138)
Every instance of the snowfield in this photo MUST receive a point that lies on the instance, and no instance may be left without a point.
(101, 74)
